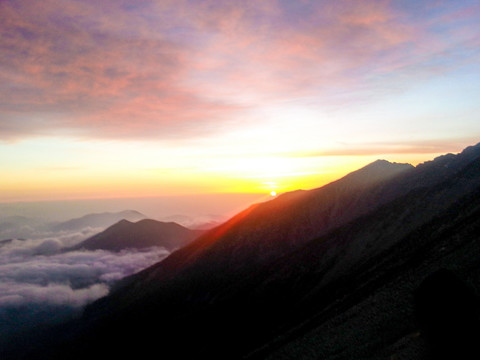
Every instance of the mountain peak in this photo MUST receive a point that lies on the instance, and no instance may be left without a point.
(141, 234)
(123, 222)
(385, 164)
(378, 170)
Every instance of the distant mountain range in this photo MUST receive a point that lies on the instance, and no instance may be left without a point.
(142, 234)
(330, 273)
(31, 228)
(101, 220)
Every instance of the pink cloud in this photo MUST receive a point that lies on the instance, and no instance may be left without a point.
(311, 54)
(98, 78)
(181, 68)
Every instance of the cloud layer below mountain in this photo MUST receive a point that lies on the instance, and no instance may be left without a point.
(41, 283)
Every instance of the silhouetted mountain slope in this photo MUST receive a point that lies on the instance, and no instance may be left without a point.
(327, 273)
(101, 220)
(270, 229)
(370, 312)
(267, 231)
(335, 270)
(142, 234)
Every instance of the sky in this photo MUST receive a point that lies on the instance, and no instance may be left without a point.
(112, 98)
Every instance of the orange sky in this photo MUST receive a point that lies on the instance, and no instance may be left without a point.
(125, 99)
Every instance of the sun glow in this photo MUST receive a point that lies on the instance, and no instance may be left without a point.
(273, 193)
(99, 172)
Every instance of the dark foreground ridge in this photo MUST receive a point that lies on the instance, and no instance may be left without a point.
(346, 271)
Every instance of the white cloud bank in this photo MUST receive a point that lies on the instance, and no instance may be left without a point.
(41, 283)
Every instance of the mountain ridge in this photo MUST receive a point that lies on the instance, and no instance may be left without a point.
(283, 203)
(418, 188)
(179, 262)
(263, 274)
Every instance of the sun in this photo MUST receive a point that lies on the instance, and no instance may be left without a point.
(273, 193)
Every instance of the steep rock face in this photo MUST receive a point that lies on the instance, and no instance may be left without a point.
(139, 235)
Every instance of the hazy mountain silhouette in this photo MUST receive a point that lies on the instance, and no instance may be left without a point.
(142, 234)
(329, 273)
(101, 220)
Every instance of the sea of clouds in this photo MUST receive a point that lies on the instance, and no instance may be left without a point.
(43, 283)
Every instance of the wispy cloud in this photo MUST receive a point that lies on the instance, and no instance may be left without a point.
(157, 70)
(72, 69)
(439, 146)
